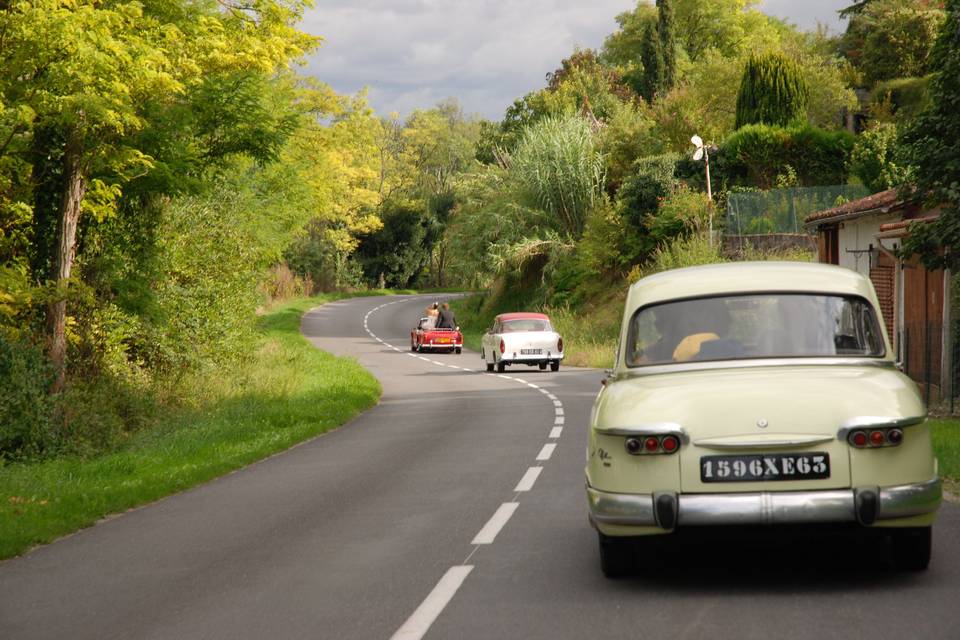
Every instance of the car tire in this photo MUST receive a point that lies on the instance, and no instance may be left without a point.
(911, 548)
(458, 350)
(616, 556)
(413, 346)
(555, 365)
(501, 367)
(543, 366)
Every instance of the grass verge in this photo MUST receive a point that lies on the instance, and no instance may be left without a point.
(286, 393)
(946, 444)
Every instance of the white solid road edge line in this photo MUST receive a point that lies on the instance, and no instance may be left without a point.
(546, 452)
(420, 620)
(526, 482)
(495, 523)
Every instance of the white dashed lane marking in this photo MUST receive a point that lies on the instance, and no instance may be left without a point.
(420, 621)
(546, 451)
(526, 482)
(496, 522)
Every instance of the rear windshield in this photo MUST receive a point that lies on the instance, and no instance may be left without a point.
(527, 324)
(775, 325)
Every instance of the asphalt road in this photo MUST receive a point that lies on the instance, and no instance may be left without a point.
(427, 514)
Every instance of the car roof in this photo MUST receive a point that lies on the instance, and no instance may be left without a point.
(521, 315)
(746, 277)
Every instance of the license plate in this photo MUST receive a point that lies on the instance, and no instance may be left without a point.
(763, 467)
(444, 340)
(531, 352)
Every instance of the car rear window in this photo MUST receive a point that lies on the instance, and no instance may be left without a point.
(526, 324)
(775, 325)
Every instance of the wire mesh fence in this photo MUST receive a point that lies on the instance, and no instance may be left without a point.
(783, 210)
(931, 357)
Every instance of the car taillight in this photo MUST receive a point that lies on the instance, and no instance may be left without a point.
(503, 347)
(652, 445)
(875, 438)
(560, 345)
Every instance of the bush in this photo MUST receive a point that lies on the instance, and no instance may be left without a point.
(757, 154)
(25, 407)
(872, 159)
(904, 97)
(652, 180)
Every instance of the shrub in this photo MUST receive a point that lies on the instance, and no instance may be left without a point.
(25, 407)
(642, 192)
(872, 158)
(905, 97)
(756, 155)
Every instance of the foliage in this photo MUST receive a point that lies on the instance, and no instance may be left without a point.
(904, 98)
(627, 135)
(930, 148)
(756, 154)
(666, 32)
(873, 159)
(26, 424)
(560, 171)
(889, 39)
(652, 180)
(397, 251)
(582, 85)
(288, 392)
(772, 91)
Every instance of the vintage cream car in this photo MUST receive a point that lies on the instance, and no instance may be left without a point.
(758, 394)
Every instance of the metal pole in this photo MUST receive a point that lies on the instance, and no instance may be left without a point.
(706, 155)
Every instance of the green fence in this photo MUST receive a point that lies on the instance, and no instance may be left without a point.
(783, 210)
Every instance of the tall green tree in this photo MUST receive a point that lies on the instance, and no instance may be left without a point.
(772, 91)
(930, 146)
(666, 30)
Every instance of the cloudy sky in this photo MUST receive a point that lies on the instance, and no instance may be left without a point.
(413, 53)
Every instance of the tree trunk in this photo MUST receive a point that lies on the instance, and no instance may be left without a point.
(75, 186)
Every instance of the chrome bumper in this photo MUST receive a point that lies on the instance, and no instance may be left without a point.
(863, 504)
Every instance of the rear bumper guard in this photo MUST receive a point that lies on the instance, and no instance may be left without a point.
(865, 505)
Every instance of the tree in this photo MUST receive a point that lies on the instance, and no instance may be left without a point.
(772, 91)
(666, 30)
(930, 148)
(888, 39)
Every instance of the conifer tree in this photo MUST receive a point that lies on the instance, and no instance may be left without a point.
(666, 30)
(772, 92)
(652, 57)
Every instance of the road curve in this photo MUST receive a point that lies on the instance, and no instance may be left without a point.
(427, 515)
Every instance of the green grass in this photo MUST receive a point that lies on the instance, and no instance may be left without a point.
(946, 443)
(287, 393)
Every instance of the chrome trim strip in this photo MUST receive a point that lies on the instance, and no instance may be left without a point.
(728, 442)
(910, 499)
(647, 429)
(877, 422)
(768, 507)
(676, 367)
(621, 508)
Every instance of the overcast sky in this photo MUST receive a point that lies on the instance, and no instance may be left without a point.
(413, 53)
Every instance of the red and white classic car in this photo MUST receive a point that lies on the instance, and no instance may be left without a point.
(522, 338)
(427, 337)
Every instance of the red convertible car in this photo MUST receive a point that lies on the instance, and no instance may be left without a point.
(426, 337)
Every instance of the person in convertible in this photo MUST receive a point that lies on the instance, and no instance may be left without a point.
(432, 315)
(446, 320)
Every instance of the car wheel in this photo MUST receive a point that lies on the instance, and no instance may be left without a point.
(413, 346)
(911, 548)
(458, 350)
(555, 365)
(616, 556)
(501, 367)
(543, 366)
